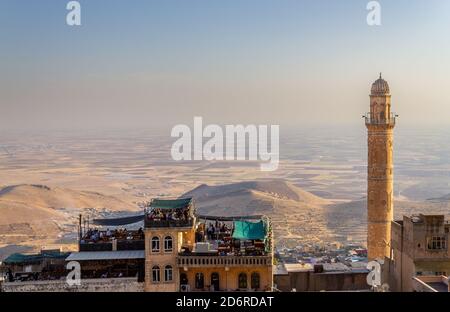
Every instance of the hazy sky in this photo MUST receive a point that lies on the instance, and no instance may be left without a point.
(288, 62)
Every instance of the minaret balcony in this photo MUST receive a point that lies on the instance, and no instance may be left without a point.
(378, 120)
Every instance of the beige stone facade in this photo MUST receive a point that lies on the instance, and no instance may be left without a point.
(200, 273)
(164, 258)
(380, 123)
(176, 258)
(419, 248)
(228, 277)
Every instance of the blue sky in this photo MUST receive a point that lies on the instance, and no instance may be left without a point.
(279, 61)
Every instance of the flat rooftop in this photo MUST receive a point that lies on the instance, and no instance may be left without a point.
(106, 255)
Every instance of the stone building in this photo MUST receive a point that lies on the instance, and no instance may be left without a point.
(320, 277)
(46, 264)
(176, 250)
(188, 252)
(380, 123)
(419, 249)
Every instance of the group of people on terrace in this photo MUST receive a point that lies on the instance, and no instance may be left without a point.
(96, 235)
(158, 214)
(215, 229)
(220, 236)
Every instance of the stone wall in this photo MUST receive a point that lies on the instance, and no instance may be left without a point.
(310, 281)
(87, 285)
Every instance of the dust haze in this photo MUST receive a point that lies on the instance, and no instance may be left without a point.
(319, 190)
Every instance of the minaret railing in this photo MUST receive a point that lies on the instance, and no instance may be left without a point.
(376, 120)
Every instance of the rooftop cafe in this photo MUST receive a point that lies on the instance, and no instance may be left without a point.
(221, 236)
(108, 249)
(113, 237)
(237, 236)
(112, 234)
(231, 236)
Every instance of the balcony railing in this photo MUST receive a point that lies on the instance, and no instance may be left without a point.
(168, 223)
(378, 120)
(194, 261)
(137, 244)
(95, 246)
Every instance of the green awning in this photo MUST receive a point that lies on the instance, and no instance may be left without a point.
(249, 230)
(21, 258)
(18, 258)
(170, 203)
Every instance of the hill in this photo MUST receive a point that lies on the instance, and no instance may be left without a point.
(32, 203)
(38, 214)
(445, 198)
(295, 213)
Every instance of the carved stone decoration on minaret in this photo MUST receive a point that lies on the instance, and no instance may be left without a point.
(380, 123)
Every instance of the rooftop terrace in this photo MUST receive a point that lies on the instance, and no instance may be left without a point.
(108, 240)
(169, 213)
(228, 236)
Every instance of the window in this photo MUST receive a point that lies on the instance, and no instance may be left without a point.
(156, 277)
(255, 283)
(243, 280)
(199, 281)
(168, 273)
(215, 281)
(183, 279)
(168, 243)
(437, 243)
(155, 244)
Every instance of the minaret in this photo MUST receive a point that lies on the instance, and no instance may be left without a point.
(380, 124)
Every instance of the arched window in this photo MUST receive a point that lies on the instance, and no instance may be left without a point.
(255, 283)
(243, 281)
(156, 275)
(168, 244)
(199, 281)
(168, 273)
(155, 244)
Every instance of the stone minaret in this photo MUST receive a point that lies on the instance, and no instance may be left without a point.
(380, 123)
